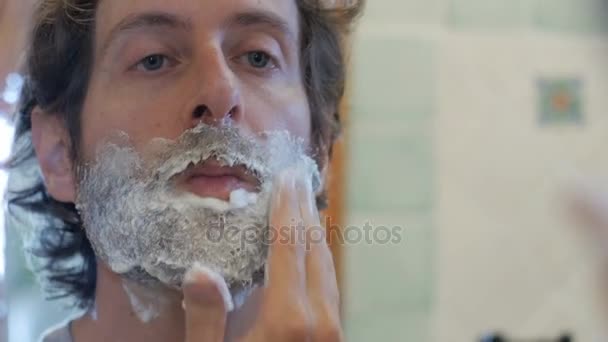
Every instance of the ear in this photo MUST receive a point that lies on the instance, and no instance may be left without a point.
(51, 144)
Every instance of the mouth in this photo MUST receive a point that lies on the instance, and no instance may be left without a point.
(210, 179)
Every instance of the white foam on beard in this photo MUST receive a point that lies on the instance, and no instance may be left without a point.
(143, 228)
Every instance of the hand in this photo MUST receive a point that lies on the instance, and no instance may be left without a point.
(300, 301)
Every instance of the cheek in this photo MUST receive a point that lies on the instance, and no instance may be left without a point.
(140, 117)
(275, 110)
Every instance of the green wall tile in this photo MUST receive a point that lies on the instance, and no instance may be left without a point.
(390, 328)
(488, 14)
(393, 79)
(578, 16)
(393, 86)
(391, 173)
(394, 277)
(560, 101)
(402, 12)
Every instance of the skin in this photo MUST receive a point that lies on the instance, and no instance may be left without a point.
(207, 63)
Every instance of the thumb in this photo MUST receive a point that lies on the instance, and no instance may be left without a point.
(207, 302)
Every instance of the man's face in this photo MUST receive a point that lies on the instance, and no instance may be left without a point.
(204, 91)
(161, 67)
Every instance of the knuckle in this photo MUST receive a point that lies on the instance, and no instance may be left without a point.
(298, 331)
(329, 312)
(297, 326)
(328, 326)
(328, 329)
(328, 333)
(293, 331)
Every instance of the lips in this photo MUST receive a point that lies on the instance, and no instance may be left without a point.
(210, 179)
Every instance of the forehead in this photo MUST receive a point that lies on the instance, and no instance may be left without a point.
(209, 13)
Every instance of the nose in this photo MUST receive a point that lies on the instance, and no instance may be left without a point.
(218, 99)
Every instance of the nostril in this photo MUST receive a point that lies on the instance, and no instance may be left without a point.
(199, 111)
(232, 113)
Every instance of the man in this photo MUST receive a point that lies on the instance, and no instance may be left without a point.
(157, 124)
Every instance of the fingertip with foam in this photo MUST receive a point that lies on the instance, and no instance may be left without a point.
(286, 178)
(284, 185)
(305, 190)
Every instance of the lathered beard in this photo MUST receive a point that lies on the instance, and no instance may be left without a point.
(147, 230)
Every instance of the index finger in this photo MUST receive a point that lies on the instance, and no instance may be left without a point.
(286, 254)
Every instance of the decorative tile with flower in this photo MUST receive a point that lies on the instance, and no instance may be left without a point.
(561, 101)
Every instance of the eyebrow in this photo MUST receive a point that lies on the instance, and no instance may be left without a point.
(147, 20)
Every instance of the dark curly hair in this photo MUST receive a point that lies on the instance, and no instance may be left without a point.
(57, 72)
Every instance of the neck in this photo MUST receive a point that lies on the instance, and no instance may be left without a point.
(125, 311)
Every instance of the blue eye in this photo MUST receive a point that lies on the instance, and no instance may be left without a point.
(258, 59)
(153, 62)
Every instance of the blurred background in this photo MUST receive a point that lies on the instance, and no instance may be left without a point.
(480, 128)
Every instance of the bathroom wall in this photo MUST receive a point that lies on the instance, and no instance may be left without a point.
(448, 140)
